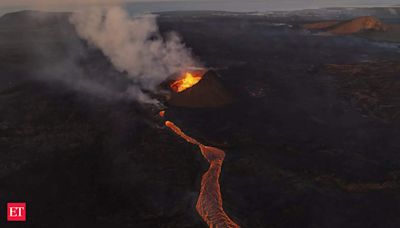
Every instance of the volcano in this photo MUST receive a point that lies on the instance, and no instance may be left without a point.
(206, 91)
(356, 25)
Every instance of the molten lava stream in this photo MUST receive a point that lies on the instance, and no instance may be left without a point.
(209, 203)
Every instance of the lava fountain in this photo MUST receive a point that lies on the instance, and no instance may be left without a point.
(188, 80)
(209, 203)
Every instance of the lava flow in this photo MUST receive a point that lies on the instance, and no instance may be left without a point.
(189, 80)
(209, 203)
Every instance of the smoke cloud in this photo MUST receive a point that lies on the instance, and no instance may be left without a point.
(134, 46)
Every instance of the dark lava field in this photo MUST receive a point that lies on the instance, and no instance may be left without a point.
(311, 140)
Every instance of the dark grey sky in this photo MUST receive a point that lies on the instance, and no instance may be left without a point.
(267, 5)
(227, 5)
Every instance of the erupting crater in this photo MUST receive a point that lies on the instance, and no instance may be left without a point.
(188, 80)
(209, 203)
(199, 89)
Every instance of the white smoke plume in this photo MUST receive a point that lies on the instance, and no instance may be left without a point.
(134, 46)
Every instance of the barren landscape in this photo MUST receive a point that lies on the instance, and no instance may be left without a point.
(310, 133)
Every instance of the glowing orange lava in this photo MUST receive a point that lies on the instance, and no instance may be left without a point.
(185, 82)
(162, 113)
(179, 132)
(209, 203)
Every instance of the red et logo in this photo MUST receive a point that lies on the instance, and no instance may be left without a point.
(16, 211)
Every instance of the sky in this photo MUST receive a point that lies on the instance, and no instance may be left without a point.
(165, 5)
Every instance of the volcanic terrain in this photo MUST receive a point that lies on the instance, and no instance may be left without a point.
(310, 133)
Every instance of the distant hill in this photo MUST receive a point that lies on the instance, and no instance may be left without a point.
(346, 13)
(358, 25)
(353, 26)
(33, 19)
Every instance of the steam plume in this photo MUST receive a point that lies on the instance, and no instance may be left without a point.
(134, 46)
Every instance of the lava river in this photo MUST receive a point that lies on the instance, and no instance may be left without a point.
(209, 203)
